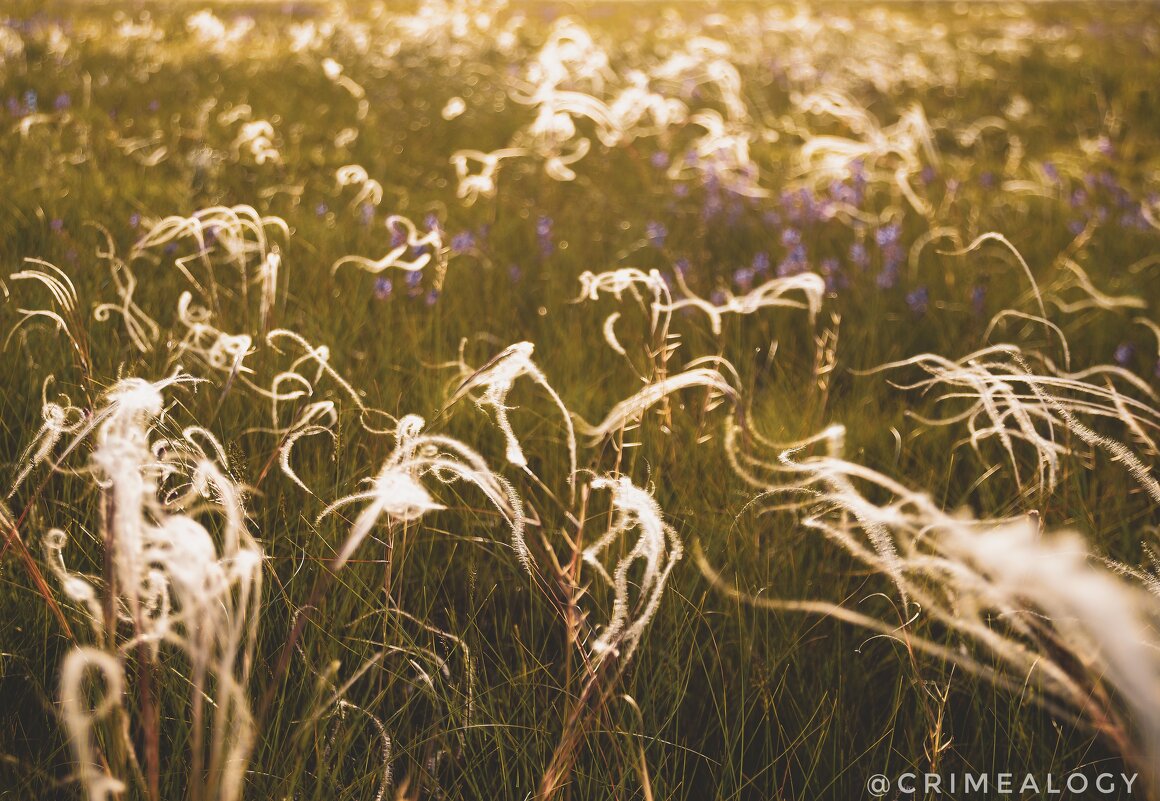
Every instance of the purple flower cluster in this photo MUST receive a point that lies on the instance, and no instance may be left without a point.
(398, 235)
(544, 235)
(978, 299)
(1124, 353)
(889, 240)
(859, 256)
(743, 279)
(462, 242)
(366, 213)
(1102, 198)
(656, 233)
(795, 260)
(918, 300)
(831, 271)
(27, 104)
(804, 207)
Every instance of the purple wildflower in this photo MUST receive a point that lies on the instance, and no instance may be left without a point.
(544, 235)
(859, 256)
(713, 206)
(1124, 353)
(743, 279)
(978, 299)
(918, 300)
(832, 272)
(656, 233)
(844, 193)
(398, 235)
(383, 288)
(887, 278)
(462, 242)
(794, 262)
(888, 235)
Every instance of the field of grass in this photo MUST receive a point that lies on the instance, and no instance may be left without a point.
(787, 380)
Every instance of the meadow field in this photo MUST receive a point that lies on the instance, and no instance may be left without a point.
(518, 400)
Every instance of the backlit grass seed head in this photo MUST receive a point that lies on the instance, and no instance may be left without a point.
(370, 190)
(657, 548)
(1048, 614)
(998, 395)
(423, 248)
(80, 718)
(175, 585)
(494, 380)
(397, 492)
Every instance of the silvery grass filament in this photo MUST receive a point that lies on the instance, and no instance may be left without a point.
(64, 296)
(334, 72)
(398, 493)
(997, 583)
(472, 185)
(60, 419)
(427, 246)
(143, 330)
(239, 234)
(495, 379)
(632, 409)
(174, 585)
(320, 358)
(79, 718)
(997, 384)
(771, 294)
(659, 549)
(652, 296)
(370, 190)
